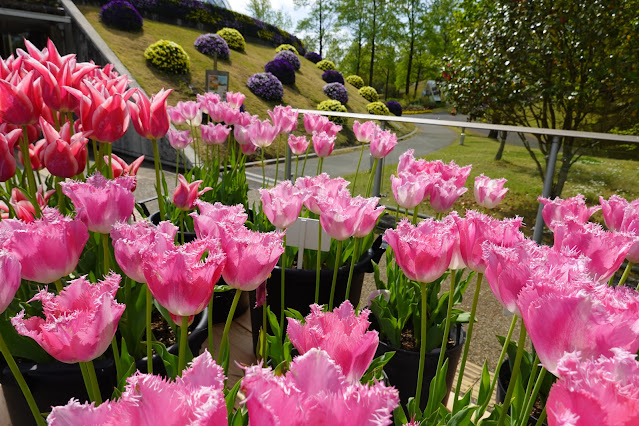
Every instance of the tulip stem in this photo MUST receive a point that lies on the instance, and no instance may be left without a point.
(469, 335)
(338, 258)
(4, 349)
(106, 253)
(415, 211)
(542, 417)
(283, 286)
(109, 147)
(305, 158)
(87, 381)
(277, 161)
(354, 259)
(225, 334)
(514, 374)
(264, 331)
(149, 333)
(626, 272)
(97, 396)
(297, 163)
(58, 190)
(320, 166)
(96, 154)
(116, 355)
(369, 187)
(263, 170)
(58, 285)
(177, 166)
(502, 355)
(28, 170)
(422, 347)
(442, 351)
(210, 322)
(319, 262)
(158, 180)
(531, 380)
(361, 154)
(184, 334)
(533, 397)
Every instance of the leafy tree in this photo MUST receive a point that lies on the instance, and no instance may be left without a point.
(412, 13)
(319, 22)
(263, 10)
(556, 64)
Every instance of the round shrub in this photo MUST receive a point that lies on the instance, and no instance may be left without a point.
(282, 70)
(288, 47)
(336, 106)
(168, 56)
(313, 57)
(355, 80)
(336, 91)
(332, 76)
(377, 108)
(394, 107)
(266, 86)
(369, 93)
(121, 14)
(290, 57)
(212, 44)
(233, 38)
(325, 65)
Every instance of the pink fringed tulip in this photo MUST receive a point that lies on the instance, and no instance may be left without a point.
(339, 216)
(48, 248)
(179, 280)
(230, 116)
(186, 193)
(489, 192)
(315, 391)
(196, 398)
(408, 164)
(558, 210)
(190, 111)
(250, 257)
(456, 261)
(149, 116)
(298, 144)
(20, 99)
(284, 118)
(214, 134)
(443, 195)
(103, 114)
(320, 187)
(175, 115)
(205, 102)
(382, 143)
(132, 242)
(595, 392)
(364, 131)
(64, 155)
(101, 202)
(235, 99)
(476, 228)
(79, 323)
(342, 334)
(578, 314)
(10, 278)
(452, 172)
(179, 139)
(241, 134)
(423, 251)
(614, 210)
(605, 250)
(331, 129)
(368, 214)
(409, 190)
(282, 204)
(248, 149)
(262, 133)
(7, 159)
(323, 144)
(314, 123)
(215, 218)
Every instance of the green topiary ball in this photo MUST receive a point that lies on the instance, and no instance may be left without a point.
(369, 93)
(326, 65)
(378, 108)
(355, 80)
(332, 105)
(286, 47)
(168, 56)
(233, 38)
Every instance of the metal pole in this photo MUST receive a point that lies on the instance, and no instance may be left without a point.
(462, 136)
(287, 164)
(550, 172)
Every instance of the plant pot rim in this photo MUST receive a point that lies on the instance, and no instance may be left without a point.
(458, 344)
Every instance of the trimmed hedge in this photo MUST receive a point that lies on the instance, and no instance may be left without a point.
(212, 44)
(336, 106)
(369, 93)
(168, 56)
(377, 108)
(266, 86)
(355, 80)
(332, 76)
(394, 107)
(325, 65)
(233, 38)
(289, 47)
(282, 70)
(313, 57)
(336, 91)
(122, 15)
(290, 57)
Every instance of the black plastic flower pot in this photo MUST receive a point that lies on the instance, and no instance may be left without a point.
(502, 387)
(300, 287)
(402, 369)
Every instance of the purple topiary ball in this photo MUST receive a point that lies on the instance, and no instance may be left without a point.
(290, 57)
(282, 70)
(121, 14)
(394, 107)
(336, 91)
(211, 44)
(313, 57)
(266, 86)
(331, 76)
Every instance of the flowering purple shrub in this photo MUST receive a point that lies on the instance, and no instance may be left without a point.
(336, 91)
(290, 57)
(332, 76)
(266, 86)
(212, 44)
(281, 69)
(121, 14)
(313, 57)
(394, 107)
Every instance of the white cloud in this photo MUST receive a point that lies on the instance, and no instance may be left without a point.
(287, 5)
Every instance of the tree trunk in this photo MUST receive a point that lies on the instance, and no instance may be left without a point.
(321, 30)
(370, 72)
(410, 63)
(502, 145)
(359, 53)
(419, 73)
(566, 162)
(386, 88)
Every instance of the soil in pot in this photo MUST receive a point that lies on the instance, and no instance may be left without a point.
(502, 387)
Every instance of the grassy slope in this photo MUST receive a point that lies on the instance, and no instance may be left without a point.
(306, 93)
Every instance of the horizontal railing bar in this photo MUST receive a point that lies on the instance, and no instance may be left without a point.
(482, 126)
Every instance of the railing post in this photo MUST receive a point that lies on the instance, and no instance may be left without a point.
(462, 136)
(550, 173)
(287, 164)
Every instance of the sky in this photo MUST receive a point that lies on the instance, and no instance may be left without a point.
(287, 5)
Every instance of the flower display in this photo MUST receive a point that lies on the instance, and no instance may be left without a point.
(377, 108)
(212, 45)
(168, 56)
(356, 81)
(332, 76)
(369, 93)
(286, 48)
(394, 107)
(266, 86)
(325, 65)
(233, 38)
(290, 57)
(281, 69)
(121, 14)
(313, 57)
(336, 106)
(336, 91)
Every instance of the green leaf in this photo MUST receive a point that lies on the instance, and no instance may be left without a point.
(231, 396)
(170, 361)
(462, 418)
(463, 402)
(126, 367)
(484, 386)
(375, 369)
(399, 416)
(437, 390)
